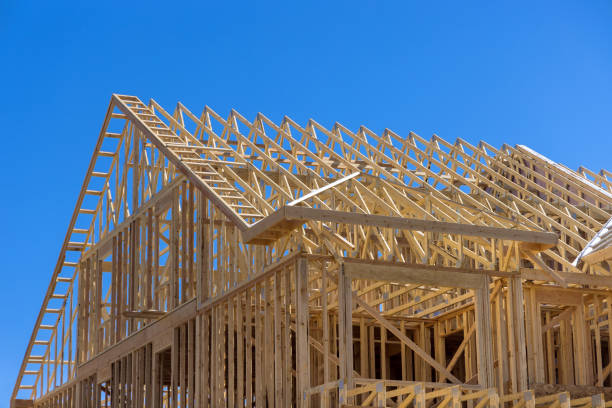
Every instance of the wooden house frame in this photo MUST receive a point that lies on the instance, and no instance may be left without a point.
(222, 262)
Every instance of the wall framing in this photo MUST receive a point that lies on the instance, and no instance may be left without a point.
(216, 262)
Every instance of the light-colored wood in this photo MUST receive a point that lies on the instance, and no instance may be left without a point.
(218, 261)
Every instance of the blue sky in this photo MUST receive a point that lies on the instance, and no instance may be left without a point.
(534, 73)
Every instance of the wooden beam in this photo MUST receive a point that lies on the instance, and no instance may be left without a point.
(570, 278)
(484, 343)
(413, 274)
(300, 215)
(322, 189)
(204, 280)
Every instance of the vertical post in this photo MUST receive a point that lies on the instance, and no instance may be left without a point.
(439, 348)
(598, 356)
(564, 400)
(135, 170)
(149, 260)
(173, 258)
(198, 362)
(324, 401)
(345, 314)
(501, 336)
(325, 318)
(566, 366)
(80, 302)
(302, 352)
(96, 392)
(529, 398)
(278, 368)
(535, 351)
(419, 399)
(455, 397)
(493, 398)
(98, 339)
(156, 383)
(484, 354)
(78, 393)
(598, 401)
(579, 346)
(518, 320)
(381, 395)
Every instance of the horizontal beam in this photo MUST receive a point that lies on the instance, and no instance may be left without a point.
(570, 278)
(144, 314)
(409, 273)
(287, 218)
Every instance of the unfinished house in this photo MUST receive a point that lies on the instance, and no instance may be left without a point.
(230, 262)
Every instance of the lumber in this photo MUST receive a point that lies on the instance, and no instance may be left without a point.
(225, 261)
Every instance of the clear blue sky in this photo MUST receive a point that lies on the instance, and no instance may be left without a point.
(536, 73)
